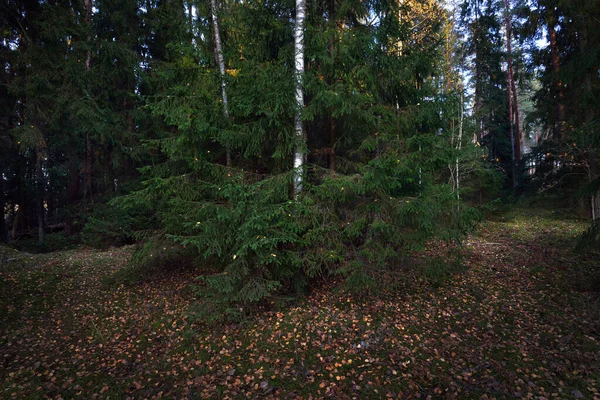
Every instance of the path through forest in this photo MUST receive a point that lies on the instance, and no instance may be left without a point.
(520, 320)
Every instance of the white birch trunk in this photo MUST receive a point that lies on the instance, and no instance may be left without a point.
(299, 72)
(221, 62)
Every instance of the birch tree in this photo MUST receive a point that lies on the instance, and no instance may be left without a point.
(221, 63)
(299, 71)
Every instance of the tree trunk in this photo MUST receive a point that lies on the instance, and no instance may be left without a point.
(459, 144)
(516, 118)
(221, 63)
(512, 132)
(88, 168)
(39, 175)
(593, 174)
(3, 236)
(88, 142)
(73, 193)
(19, 223)
(513, 101)
(477, 105)
(299, 72)
(399, 45)
(190, 8)
(560, 108)
(331, 152)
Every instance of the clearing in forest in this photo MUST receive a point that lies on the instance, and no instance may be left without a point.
(520, 320)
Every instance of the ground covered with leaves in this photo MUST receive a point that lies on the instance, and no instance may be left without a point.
(520, 319)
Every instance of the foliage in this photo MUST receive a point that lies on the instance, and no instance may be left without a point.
(261, 242)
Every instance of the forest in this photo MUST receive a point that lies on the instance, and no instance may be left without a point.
(346, 199)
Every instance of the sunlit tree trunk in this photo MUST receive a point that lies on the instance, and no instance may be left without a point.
(513, 105)
(478, 102)
(399, 44)
(221, 63)
(459, 143)
(299, 72)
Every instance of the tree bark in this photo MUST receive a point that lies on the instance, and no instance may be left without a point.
(513, 101)
(331, 153)
(459, 144)
(399, 45)
(593, 174)
(299, 72)
(512, 131)
(560, 107)
(19, 222)
(477, 106)
(332, 126)
(3, 233)
(88, 143)
(39, 175)
(221, 64)
(73, 190)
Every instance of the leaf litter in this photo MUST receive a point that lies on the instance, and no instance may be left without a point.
(514, 324)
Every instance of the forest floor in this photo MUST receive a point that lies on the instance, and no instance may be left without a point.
(520, 320)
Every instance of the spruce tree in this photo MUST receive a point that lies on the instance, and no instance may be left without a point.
(375, 179)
